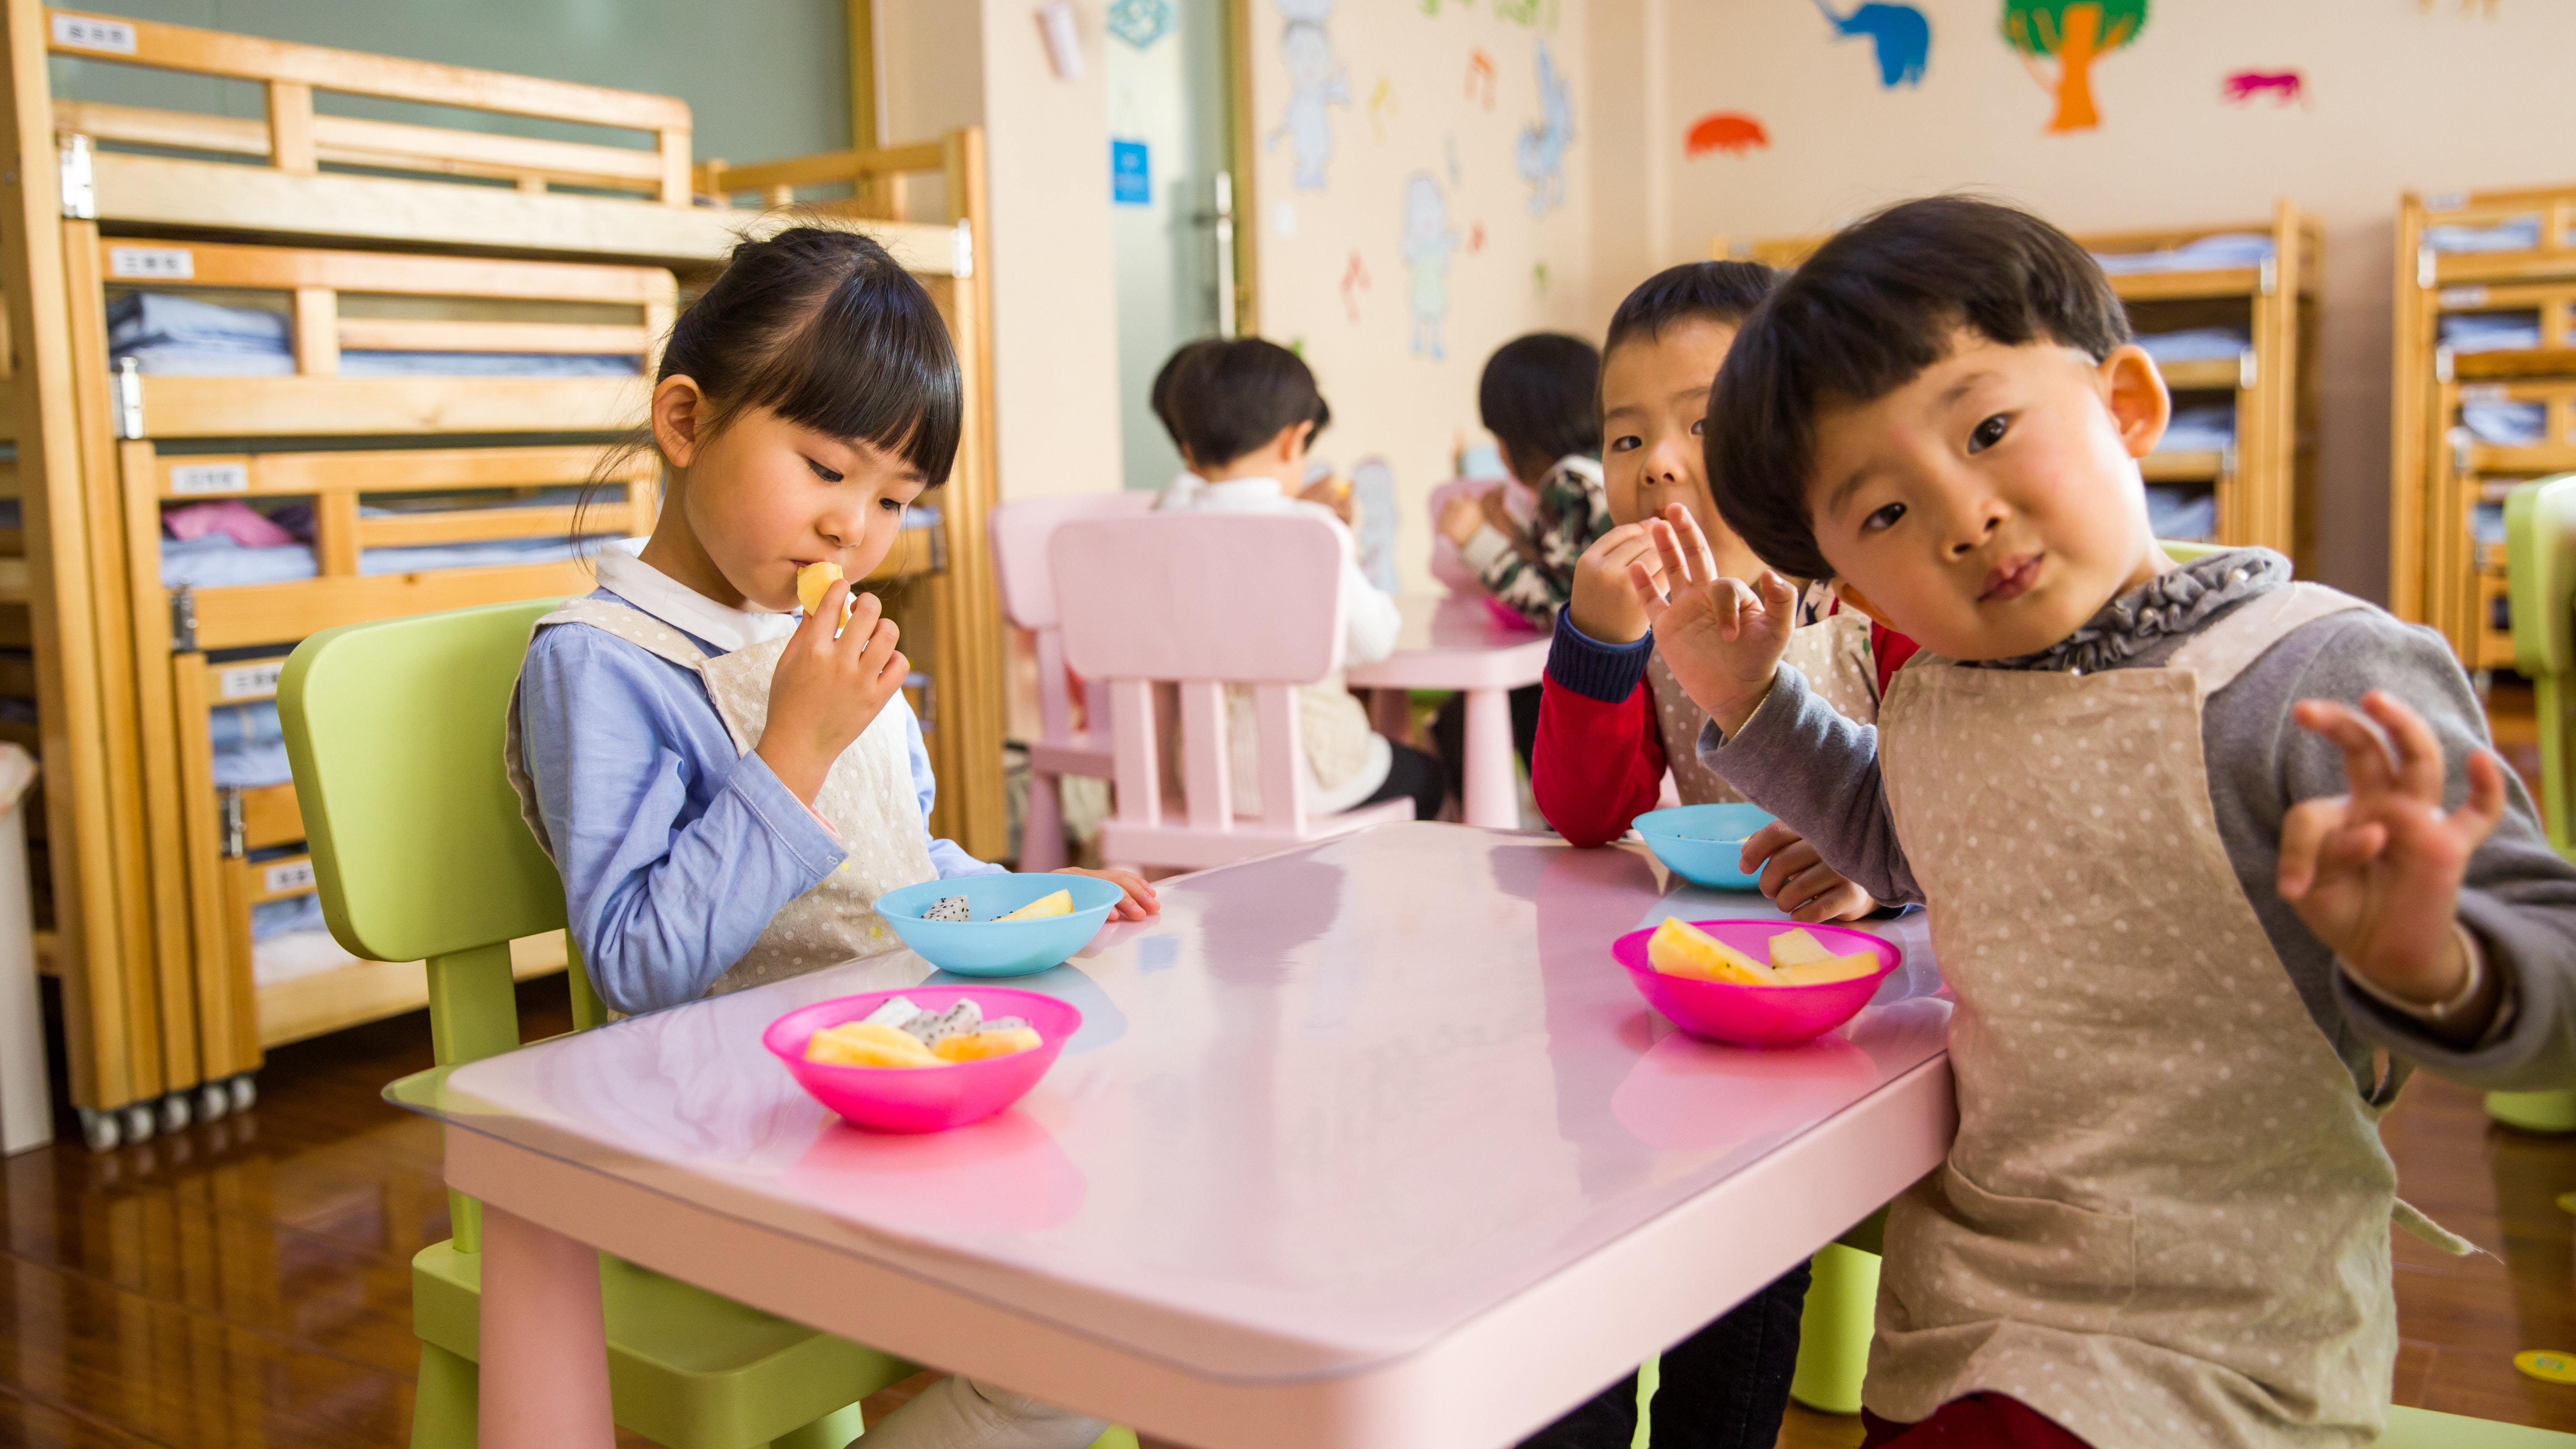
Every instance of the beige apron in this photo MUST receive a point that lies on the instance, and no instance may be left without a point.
(1833, 653)
(2165, 1218)
(867, 797)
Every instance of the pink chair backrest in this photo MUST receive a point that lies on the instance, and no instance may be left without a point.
(1020, 531)
(1446, 566)
(1203, 600)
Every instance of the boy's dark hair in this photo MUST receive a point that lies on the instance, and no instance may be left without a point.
(1875, 306)
(1222, 397)
(824, 328)
(1537, 398)
(1725, 292)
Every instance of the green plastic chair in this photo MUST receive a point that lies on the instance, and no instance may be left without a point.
(395, 733)
(2424, 1429)
(2540, 572)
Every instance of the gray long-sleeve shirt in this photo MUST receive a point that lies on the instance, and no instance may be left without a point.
(1819, 772)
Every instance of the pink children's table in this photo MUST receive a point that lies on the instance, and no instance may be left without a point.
(1365, 1144)
(1457, 643)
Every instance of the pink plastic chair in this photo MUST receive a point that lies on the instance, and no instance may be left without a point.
(1020, 532)
(1205, 600)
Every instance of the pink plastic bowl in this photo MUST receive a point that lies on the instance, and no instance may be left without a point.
(1758, 1015)
(924, 1099)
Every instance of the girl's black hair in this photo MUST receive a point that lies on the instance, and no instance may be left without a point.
(1223, 397)
(1537, 398)
(824, 328)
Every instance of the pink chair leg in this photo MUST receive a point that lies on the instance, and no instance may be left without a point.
(544, 1340)
(1042, 832)
(1493, 795)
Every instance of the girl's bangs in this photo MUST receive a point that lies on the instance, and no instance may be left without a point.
(873, 365)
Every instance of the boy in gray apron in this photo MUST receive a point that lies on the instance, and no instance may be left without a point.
(2195, 840)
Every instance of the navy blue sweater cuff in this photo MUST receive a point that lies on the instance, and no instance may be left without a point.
(1606, 672)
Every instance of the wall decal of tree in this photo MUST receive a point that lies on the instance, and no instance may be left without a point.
(2074, 33)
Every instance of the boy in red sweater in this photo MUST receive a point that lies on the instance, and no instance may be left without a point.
(1611, 720)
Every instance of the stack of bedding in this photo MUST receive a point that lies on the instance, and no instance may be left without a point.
(2506, 424)
(2210, 428)
(178, 336)
(2491, 331)
(2514, 234)
(2218, 252)
(2181, 513)
(2197, 344)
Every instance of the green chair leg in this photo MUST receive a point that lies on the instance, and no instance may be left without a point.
(1833, 1333)
(2553, 1112)
(1650, 1377)
(2423, 1429)
(443, 1402)
(835, 1430)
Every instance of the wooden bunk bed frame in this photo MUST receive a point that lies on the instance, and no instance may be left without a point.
(153, 1028)
(2438, 573)
(2266, 483)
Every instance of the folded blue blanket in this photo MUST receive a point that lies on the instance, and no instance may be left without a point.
(2516, 234)
(2203, 254)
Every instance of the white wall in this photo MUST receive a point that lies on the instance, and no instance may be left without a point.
(2399, 97)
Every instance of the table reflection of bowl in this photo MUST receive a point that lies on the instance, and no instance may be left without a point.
(924, 1099)
(1006, 1176)
(1704, 844)
(1758, 1015)
(1686, 1094)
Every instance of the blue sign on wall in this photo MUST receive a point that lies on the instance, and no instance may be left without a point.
(1131, 181)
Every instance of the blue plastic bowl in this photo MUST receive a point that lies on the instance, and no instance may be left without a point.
(1703, 843)
(987, 947)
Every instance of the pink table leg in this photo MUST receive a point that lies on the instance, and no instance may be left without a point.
(1493, 795)
(544, 1382)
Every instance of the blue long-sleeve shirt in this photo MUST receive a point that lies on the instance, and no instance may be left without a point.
(675, 851)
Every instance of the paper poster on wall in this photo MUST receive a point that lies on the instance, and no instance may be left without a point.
(1381, 105)
(2285, 87)
(1140, 22)
(1428, 244)
(1373, 490)
(1480, 78)
(1355, 280)
(1732, 132)
(2075, 34)
(1901, 35)
(1131, 180)
(1542, 148)
(1317, 82)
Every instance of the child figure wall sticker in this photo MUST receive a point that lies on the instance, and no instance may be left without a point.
(2074, 33)
(1901, 35)
(1373, 489)
(1140, 22)
(1317, 82)
(1428, 243)
(1542, 146)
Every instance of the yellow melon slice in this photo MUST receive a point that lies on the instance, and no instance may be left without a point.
(867, 1044)
(1058, 904)
(1797, 948)
(1679, 948)
(1832, 968)
(812, 581)
(976, 1046)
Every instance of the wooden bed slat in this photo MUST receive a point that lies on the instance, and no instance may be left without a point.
(232, 407)
(475, 525)
(391, 145)
(820, 169)
(234, 618)
(398, 470)
(285, 268)
(401, 334)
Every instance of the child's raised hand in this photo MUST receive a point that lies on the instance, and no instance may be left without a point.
(1797, 879)
(1460, 517)
(2376, 872)
(1722, 638)
(1605, 607)
(1140, 901)
(828, 690)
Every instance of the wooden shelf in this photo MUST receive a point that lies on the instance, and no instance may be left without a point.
(2214, 374)
(2183, 467)
(2189, 286)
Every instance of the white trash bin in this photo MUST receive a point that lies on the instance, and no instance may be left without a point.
(26, 1105)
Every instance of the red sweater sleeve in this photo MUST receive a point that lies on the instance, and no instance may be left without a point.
(1598, 766)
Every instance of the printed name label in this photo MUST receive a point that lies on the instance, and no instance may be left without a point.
(2445, 200)
(2486, 392)
(2463, 297)
(295, 875)
(90, 33)
(248, 681)
(210, 478)
(157, 264)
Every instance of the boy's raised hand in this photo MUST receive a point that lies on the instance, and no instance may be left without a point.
(1605, 607)
(1722, 638)
(2376, 872)
(827, 690)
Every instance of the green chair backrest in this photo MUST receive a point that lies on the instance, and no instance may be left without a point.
(2184, 551)
(2540, 573)
(395, 731)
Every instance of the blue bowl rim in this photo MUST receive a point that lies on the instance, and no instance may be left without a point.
(916, 919)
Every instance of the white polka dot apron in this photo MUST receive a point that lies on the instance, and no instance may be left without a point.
(867, 796)
(1833, 653)
(2164, 1221)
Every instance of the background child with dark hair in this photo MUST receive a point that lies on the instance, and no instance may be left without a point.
(1537, 397)
(2182, 888)
(1613, 720)
(1242, 411)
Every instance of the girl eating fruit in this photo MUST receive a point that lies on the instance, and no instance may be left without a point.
(725, 789)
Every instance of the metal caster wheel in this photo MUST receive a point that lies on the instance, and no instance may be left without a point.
(100, 1130)
(213, 1102)
(138, 1122)
(245, 1093)
(176, 1112)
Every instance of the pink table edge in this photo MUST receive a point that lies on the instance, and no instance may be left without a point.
(1491, 1381)
(1452, 643)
